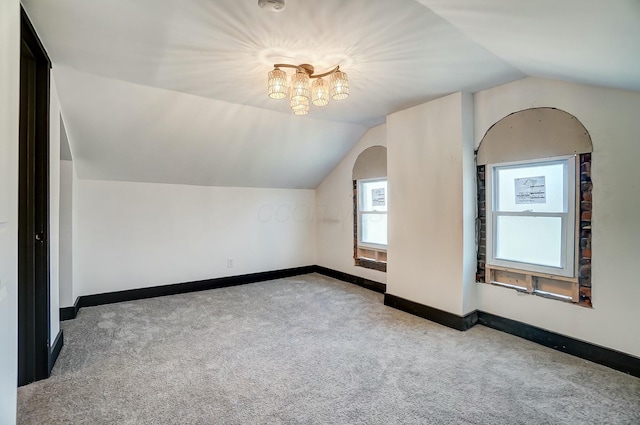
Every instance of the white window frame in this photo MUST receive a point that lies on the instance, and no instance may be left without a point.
(568, 218)
(377, 247)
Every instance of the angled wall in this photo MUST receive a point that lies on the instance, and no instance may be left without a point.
(334, 212)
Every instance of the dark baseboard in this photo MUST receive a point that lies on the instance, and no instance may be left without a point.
(356, 280)
(182, 288)
(69, 313)
(605, 356)
(54, 350)
(461, 323)
(595, 353)
(614, 359)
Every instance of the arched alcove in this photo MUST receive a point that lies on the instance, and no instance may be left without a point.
(527, 140)
(369, 177)
(534, 133)
(371, 163)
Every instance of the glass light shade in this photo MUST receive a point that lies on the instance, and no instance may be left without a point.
(320, 92)
(339, 85)
(300, 106)
(300, 87)
(277, 84)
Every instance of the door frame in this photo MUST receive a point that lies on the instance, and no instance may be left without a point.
(34, 337)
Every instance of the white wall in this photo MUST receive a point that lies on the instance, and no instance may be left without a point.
(54, 211)
(612, 119)
(132, 235)
(334, 209)
(427, 157)
(469, 207)
(9, 116)
(67, 297)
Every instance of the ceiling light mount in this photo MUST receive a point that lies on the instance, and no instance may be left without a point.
(300, 90)
(272, 5)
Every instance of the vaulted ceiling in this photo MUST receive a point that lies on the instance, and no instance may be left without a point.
(174, 91)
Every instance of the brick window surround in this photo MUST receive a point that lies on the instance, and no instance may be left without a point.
(584, 227)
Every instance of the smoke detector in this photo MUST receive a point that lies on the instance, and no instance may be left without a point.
(272, 5)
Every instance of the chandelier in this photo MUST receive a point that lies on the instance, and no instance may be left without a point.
(301, 91)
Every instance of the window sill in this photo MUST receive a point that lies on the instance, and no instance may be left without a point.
(541, 284)
(369, 263)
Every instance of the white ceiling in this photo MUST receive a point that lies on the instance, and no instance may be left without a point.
(174, 91)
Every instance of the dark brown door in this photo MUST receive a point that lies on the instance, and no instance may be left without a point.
(33, 210)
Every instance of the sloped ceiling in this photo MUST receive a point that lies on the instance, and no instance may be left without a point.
(173, 91)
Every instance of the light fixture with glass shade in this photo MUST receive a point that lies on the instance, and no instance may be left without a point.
(301, 92)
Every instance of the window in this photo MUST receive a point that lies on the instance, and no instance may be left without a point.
(370, 227)
(531, 216)
(372, 213)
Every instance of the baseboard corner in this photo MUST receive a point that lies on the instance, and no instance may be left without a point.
(460, 323)
(54, 349)
(349, 278)
(70, 313)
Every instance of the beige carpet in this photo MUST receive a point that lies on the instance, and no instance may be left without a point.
(310, 350)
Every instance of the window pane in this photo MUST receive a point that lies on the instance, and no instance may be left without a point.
(534, 240)
(373, 196)
(537, 188)
(374, 228)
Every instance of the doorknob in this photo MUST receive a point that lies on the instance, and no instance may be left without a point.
(40, 236)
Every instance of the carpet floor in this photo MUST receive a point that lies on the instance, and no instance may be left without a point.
(310, 350)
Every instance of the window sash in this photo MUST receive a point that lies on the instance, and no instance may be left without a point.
(568, 220)
(361, 243)
(361, 213)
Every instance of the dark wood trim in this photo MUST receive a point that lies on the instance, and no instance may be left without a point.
(607, 357)
(604, 356)
(35, 42)
(33, 222)
(356, 280)
(70, 313)
(54, 352)
(461, 323)
(181, 288)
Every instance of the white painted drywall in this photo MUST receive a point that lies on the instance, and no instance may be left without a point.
(469, 206)
(132, 235)
(334, 210)
(128, 132)
(612, 119)
(54, 212)
(67, 297)
(9, 136)
(427, 157)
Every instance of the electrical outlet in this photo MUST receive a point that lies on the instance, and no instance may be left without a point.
(230, 263)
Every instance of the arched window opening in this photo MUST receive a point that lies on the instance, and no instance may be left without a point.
(370, 202)
(534, 205)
